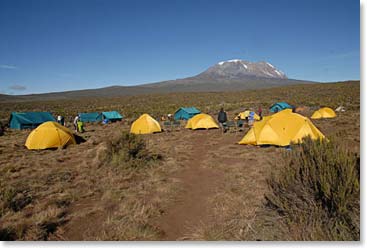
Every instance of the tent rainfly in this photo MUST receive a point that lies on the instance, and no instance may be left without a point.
(201, 121)
(111, 116)
(186, 113)
(281, 129)
(25, 120)
(49, 135)
(90, 117)
(279, 106)
(323, 113)
(145, 124)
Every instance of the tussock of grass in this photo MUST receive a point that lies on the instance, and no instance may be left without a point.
(316, 194)
(130, 152)
(13, 198)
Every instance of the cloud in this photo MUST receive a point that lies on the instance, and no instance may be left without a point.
(9, 67)
(17, 87)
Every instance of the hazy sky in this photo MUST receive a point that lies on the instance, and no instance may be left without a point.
(66, 45)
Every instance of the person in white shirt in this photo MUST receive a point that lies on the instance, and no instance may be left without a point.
(76, 119)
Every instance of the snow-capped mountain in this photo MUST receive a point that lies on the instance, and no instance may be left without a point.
(240, 69)
(230, 75)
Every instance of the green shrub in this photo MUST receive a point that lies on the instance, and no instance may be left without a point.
(317, 192)
(13, 199)
(130, 151)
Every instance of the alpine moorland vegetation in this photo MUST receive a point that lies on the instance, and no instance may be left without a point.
(315, 195)
(119, 186)
(314, 96)
(129, 151)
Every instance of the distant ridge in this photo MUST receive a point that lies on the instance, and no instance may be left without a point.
(230, 75)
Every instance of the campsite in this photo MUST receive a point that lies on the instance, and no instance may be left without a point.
(174, 184)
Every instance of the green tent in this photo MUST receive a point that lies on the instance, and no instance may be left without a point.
(279, 106)
(186, 113)
(90, 117)
(24, 120)
(111, 116)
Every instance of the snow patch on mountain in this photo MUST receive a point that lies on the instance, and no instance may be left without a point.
(237, 68)
(270, 65)
(229, 61)
(234, 60)
(279, 73)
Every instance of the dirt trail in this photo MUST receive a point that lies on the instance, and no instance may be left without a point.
(198, 184)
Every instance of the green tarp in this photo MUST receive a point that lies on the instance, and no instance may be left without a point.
(279, 106)
(186, 113)
(24, 120)
(112, 116)
(90, 117)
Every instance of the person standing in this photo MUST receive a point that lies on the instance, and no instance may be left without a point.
(251, 118)
(80, 126)
(222, 119)
(260, 111)
(76, 119)
(61, 120)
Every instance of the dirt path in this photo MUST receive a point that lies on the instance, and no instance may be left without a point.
(191, 207)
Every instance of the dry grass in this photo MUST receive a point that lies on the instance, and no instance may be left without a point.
(49, 195)
(99, 190)
(316, 192)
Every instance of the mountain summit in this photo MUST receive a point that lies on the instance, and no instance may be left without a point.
(230, 75)
(240, 69)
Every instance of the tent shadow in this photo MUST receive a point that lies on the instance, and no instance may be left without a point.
(288, 148)
(79, 139)
(205, 129)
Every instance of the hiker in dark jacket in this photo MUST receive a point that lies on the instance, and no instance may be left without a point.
(222, 119)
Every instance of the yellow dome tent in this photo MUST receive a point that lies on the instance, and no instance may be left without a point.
(201, 121)
(49, 135)
(145, 124)
(323, 113)
(281, 129)
(247, 113)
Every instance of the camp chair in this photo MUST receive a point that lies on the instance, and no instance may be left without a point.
(240, 125)
(231, 126)
(167, 126)
(224, 127)
(176, 124)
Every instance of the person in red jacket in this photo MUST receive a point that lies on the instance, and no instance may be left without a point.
(260, 111)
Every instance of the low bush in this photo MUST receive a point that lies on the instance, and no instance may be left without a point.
(317, 193)
(13, 199)
(130, 152)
